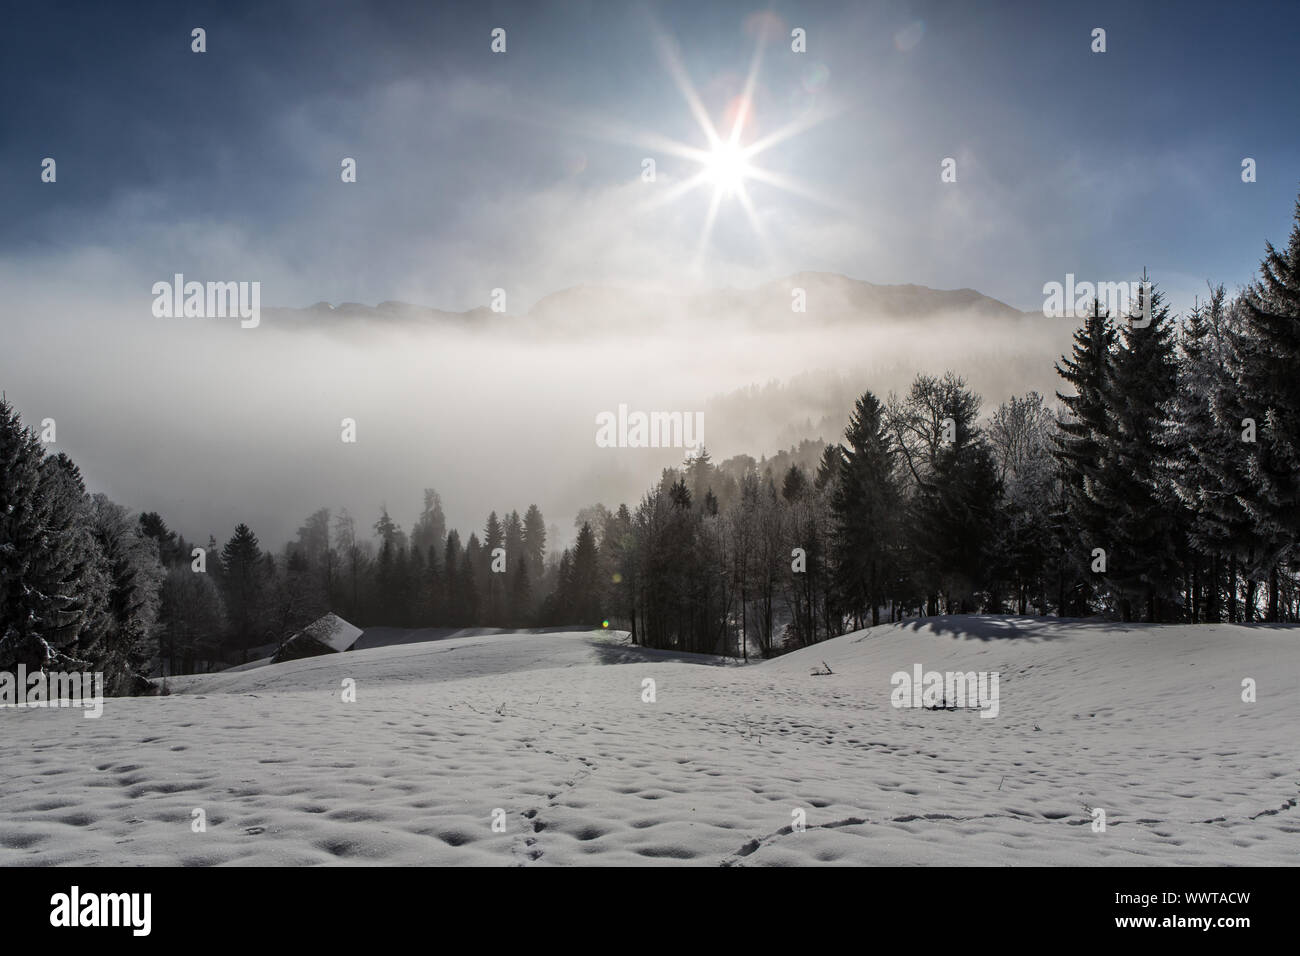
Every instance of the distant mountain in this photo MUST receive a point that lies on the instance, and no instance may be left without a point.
(828, 299)
(387, 312)
(831, 298)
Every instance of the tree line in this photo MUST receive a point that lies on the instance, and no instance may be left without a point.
(252, 599)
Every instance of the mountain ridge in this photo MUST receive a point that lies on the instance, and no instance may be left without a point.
(829, 298)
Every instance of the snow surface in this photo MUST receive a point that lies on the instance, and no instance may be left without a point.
(1145, 722)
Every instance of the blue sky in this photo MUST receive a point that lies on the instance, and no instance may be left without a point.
(479, 170)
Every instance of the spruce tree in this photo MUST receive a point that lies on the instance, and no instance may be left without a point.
(514, 537)
(585, 578)
(494, 536)
(471, 570)
(122, 647)
(1077, 446)
(1144, 523)
(153, 526)
(828, 468)
(534, 539)
(794, 484)
(455, 604)
(51, 586)
(865, 504)
(1203, 452)
(1270, 387)
(242, 581)
(68, 570)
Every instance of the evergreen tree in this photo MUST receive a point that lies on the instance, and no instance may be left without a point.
(170, 550)
(386, 529)
(710, 503)
(123, 647)
(699, 473)
(535, 542)
(514, 540)
(865, 504)
(456, 607)
(584, 581)
(51, 590)
(494, 536)
(1270, 387)
(795, 484)
(1083, 521)
(391, 573)
(241, 578)
(431, 528)
(1143, 520)
(1203, 453)
(67, 570)
(828, 468)
(470, 583)
(560, 610)
(21, 502)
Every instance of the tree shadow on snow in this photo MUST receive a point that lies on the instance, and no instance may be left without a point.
(995, 627)
(998, 627)
(611, 653)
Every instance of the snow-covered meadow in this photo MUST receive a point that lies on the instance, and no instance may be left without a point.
(1145, 722)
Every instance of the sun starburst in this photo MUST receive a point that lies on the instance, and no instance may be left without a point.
(726, 164)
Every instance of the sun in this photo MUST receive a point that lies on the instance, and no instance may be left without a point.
(725, 163)
(728, 161)
(727, 168)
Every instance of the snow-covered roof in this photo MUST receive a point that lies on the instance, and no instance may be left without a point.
(332, 631)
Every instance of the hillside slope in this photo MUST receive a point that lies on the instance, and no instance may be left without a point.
(1144, 722)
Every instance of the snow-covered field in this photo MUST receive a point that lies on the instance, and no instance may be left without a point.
(1144, 722)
